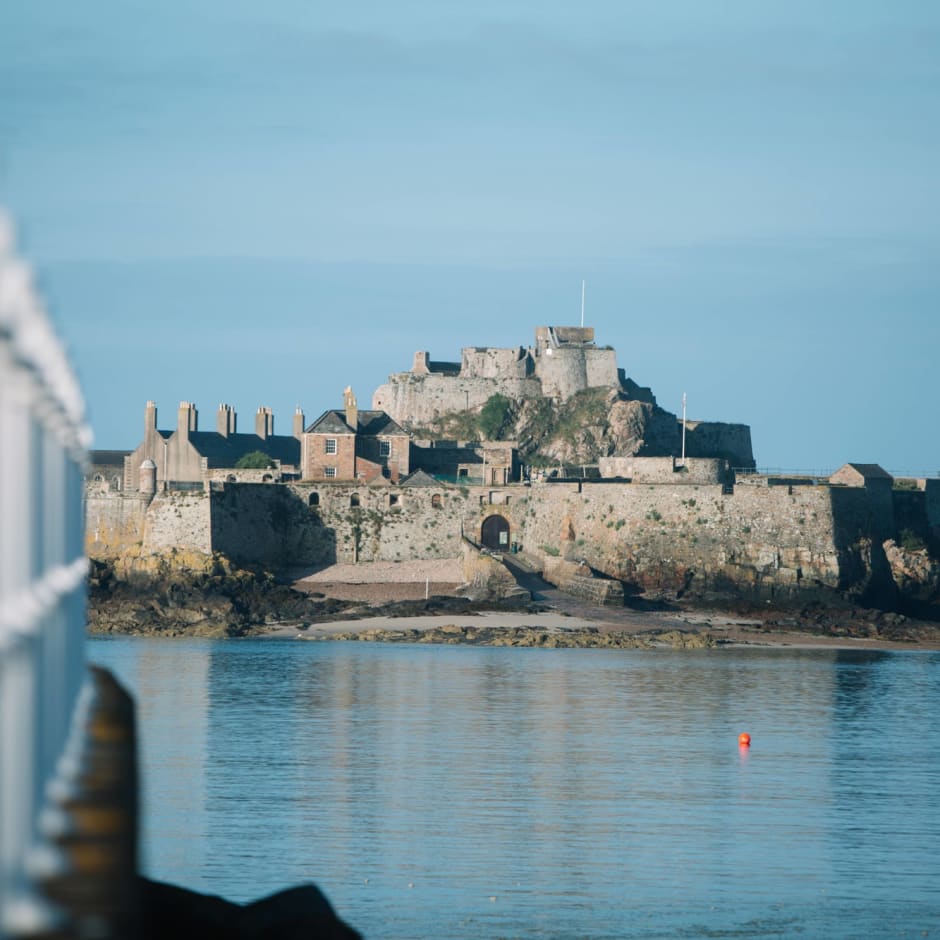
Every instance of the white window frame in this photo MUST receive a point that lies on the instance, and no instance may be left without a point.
(329, 472)
(330, 445)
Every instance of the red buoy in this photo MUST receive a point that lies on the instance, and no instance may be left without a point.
(744, 739)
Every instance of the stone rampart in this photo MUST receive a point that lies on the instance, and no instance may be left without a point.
(419, 399)
(779, 543)
(672, 470)
(718, 439)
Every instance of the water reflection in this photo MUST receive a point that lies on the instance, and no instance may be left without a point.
(596, 793)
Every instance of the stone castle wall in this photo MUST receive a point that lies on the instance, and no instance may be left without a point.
(780, 543)
(718, 439)
(419, 399)
(116, 523)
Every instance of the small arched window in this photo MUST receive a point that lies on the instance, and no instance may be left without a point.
(354, 499)
(267, 478)
(98, 478)
(231, 478)
(313, 499)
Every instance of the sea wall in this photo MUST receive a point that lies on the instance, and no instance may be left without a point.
(765, 543)
(776, 543)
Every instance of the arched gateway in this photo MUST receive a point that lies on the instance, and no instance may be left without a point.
(494, 533)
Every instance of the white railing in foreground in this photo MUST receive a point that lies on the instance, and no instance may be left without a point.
(43, 445)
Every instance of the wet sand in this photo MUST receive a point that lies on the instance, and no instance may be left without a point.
(377, 583)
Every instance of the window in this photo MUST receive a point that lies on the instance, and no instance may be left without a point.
(436, 501)
(354, 500)
(331, 446)
(393, 499)
(313, 499)
(329, 472)
(385, 448)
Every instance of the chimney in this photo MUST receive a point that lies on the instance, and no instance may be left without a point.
(226, 419)
(264, 423)
(299, 423)
(150, 417)
(187, 419)
(352, 411)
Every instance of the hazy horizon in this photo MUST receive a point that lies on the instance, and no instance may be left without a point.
(264, 205)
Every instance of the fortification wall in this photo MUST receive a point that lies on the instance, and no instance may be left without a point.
(114, 523)
(419, 399)
(695, 470)
(769, 543)
(178, 521)
(718, 439)
(485, 362)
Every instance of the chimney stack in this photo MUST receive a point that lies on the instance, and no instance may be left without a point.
(187, 419)
(299, 423)
(352, 410)
(264, 423)
(226, 420)
(150, 417)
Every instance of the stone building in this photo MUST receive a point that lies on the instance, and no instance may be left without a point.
(106, 470)
(187, 458)
(489, 462)
(349, 444)
(563, 361)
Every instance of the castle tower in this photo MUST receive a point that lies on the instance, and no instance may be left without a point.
(264, 423)
(351, 408)
(148, 478)
(299, 422)
(226, 420)
(187, 419)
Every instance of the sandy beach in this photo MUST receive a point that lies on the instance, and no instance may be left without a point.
(381, 582)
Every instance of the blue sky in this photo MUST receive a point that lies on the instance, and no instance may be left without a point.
(263, 203)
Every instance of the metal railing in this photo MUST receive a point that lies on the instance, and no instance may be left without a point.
(43, 443)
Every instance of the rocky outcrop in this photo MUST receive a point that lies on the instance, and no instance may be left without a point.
(590, 638)
(915, 573)
(188, 594)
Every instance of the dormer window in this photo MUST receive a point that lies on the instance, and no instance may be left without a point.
(331, 445)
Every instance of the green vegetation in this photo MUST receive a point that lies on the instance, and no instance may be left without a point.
(254, 460)
(551, 550)
(495, 417)
(910, 541)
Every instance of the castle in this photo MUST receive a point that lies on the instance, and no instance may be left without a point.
(354, 486)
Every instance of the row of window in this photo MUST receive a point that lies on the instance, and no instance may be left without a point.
(393, 500)
(385, 449)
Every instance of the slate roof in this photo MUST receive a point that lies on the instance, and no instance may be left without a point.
(371, 424)
(871, 471)
(420, 478)
(223, 451)
(108, 458)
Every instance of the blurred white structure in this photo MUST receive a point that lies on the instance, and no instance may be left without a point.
(43, 443)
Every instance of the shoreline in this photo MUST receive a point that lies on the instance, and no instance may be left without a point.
(727, 630)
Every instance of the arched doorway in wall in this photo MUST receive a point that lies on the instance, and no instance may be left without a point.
(494, 533)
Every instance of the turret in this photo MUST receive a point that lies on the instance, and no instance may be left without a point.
(148, 478)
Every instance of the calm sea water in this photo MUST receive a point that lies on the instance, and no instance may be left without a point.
(486, 793)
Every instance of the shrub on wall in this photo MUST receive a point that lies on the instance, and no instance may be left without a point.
(254, 460)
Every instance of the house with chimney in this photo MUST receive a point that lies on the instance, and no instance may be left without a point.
(187, 458)
(352, 445)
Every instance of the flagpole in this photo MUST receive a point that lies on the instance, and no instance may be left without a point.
(683, 429)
